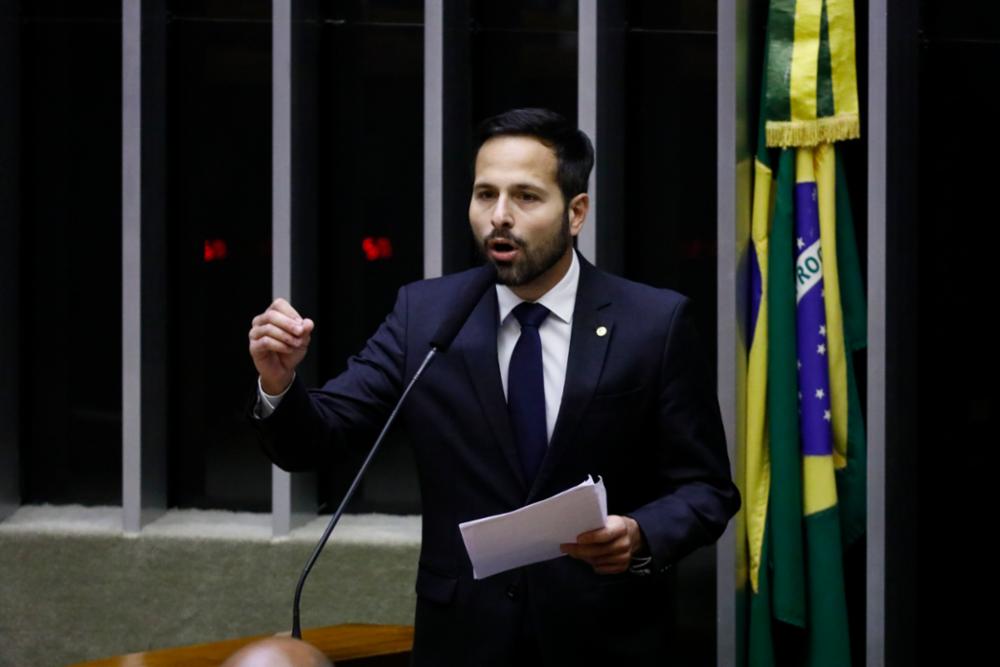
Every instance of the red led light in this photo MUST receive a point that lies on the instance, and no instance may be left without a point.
(215, 249)
(696, 249)
(376, 248)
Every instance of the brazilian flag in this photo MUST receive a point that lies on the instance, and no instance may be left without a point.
(805, 443)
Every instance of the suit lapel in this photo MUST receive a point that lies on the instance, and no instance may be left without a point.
(591, 333)
(479, 349)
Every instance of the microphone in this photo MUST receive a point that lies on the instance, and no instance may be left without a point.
(468, 298)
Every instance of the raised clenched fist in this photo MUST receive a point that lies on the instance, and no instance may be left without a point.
(279, 339)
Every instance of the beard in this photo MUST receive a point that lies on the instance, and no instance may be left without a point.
(533, 259)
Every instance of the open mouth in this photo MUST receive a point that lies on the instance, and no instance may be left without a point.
(502, 250)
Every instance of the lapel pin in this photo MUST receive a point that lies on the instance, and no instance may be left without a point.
(602, 331)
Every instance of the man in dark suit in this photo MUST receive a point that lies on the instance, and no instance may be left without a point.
(561, 371)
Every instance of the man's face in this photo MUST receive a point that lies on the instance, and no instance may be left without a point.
(517, 211)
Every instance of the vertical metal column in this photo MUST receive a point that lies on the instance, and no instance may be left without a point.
(734, 202)
(281, 213)
(10, 220)
(131, 265)
(876, 125)
(433, 138)
(586, 111)
(891, 122)
(144, 454)
(293, 497)
(601, 114)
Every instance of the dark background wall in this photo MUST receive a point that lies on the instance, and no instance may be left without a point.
(69, 248)
(955, 223)
(364, 80)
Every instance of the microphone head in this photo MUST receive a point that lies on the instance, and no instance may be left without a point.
(468, 298)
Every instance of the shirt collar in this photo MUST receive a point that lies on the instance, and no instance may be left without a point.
(560, 300)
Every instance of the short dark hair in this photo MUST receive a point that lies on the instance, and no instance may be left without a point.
(574, 152)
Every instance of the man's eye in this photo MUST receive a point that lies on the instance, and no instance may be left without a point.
(528, 196)
(484, 194)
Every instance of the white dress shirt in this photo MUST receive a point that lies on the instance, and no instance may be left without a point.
(554, 333)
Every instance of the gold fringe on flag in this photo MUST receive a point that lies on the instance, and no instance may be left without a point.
(785, 134)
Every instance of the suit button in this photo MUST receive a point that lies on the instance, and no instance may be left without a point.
(512, 591)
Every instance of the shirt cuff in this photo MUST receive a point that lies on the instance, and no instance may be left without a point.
(641, 565)
(268, 403)
(642, 561)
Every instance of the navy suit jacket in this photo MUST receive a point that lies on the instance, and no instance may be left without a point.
(639, 409)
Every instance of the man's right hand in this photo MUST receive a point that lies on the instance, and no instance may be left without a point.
(279, 339)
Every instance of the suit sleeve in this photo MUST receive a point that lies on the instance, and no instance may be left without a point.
(346, 414)
(690, 459)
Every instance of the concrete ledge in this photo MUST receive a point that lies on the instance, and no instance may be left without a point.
(74, 588)
(211, 524)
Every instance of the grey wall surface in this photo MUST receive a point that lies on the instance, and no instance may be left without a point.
(140, 594)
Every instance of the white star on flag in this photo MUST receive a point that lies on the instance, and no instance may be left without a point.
(821, 349)
(800, 364)
(826, 415)
(820, 393)
(822, 330)
(800, 243)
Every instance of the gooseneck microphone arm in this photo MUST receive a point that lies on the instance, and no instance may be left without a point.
(440, 342)
(296, 629)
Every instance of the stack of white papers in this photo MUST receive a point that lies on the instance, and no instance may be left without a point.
(534, 532)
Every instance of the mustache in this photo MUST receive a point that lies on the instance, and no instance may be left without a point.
(504, 235)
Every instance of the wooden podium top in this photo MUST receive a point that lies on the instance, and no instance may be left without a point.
(340, 643)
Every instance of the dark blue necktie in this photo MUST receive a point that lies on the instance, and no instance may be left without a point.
(526, 390)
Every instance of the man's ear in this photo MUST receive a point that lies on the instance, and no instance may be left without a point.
(578, 207)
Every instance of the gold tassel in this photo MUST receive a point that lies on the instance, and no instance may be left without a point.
(800, 133)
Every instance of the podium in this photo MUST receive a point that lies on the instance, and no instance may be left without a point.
(355, 644)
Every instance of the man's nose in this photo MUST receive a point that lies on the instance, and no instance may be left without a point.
(501, 213)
